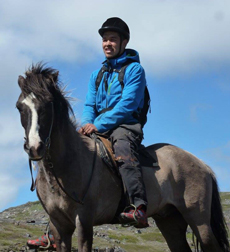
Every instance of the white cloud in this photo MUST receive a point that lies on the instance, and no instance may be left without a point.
(8, 189)
(12, 157)
(194, 110)
(10, 130)
(223, 175)
(184, 36)
(14, 172)
(173, 37)
(219, 158)
(221, 153)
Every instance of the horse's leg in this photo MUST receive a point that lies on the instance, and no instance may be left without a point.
(198, 216)
(200, 225)
(62, 237)
(85, 234)
(173, 228)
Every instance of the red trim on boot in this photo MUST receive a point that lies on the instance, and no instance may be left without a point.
(42, 241)
(136, 217)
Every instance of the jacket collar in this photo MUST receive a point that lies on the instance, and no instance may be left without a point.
(118, 62)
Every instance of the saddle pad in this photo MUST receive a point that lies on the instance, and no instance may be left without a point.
(146, 159)
(105, 151)
(108, 146)
(108, 157)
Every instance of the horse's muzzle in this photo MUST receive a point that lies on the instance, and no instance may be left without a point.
(35, 153)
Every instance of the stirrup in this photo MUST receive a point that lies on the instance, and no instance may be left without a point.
(47, 236)
(131, 223)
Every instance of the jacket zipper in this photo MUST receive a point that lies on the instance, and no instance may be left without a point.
(109, 88)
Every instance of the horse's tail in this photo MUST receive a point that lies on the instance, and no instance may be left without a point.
(218, 224)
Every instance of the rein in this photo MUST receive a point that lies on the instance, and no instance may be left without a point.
(51, 166)
(74, 197)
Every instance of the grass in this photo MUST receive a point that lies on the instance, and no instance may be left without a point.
(130, 240)
(15, 235)
(153, 236)
(32, 207)
(142, 248)
(225, 201)
(12, 234)
(122, 238)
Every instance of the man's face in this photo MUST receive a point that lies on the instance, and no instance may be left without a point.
(111, 44)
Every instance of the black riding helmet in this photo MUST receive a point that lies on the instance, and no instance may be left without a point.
(115, 24)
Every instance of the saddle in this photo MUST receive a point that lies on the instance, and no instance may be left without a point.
(108, 157)
(105, 150)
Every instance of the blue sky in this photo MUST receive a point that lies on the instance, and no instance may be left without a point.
(184, 47)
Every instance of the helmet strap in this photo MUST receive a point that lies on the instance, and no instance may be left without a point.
(119, 52)
(121, 40)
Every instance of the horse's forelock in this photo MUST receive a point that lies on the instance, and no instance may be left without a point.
(44, 84)
(40, 68)
(42, 81)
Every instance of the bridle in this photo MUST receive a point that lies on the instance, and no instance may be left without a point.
(47, 157)
(47, 142)
(47, 147)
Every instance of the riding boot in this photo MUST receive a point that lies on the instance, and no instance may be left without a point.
(134, 216)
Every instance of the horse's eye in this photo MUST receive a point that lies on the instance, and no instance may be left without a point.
(42, 113)
(21, 111)
(19, 108)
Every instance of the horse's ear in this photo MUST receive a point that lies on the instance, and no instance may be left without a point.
(55, 76)
(21, 81)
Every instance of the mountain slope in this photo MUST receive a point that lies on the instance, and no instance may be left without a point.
(29, 221)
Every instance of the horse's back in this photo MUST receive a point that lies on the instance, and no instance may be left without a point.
(180, 179)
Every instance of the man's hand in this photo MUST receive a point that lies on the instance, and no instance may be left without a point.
(87, 129)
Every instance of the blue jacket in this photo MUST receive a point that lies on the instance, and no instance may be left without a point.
(124, 103)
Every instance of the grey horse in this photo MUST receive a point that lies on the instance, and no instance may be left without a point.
(77, 190)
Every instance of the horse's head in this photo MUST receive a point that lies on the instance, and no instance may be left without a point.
(36, 108)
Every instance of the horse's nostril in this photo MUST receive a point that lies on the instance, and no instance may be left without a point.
(41, 146)
(26, 147)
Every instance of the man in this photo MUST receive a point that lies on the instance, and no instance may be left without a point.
(113, 110)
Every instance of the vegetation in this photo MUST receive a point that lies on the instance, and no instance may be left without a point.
(19, 224)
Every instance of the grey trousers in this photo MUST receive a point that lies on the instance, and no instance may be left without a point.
(125, 141)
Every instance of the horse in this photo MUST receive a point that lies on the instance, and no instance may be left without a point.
(77, 190)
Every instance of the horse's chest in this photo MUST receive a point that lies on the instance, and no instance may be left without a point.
(51, 196)
(55, 203)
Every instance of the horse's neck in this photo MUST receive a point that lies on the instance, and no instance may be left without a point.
(69, 144)
(71, 157)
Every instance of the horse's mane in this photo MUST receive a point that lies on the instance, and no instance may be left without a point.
(43, 82)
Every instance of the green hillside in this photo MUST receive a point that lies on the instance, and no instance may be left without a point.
(28, 221)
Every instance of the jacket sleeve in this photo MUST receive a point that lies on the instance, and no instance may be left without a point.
(132, 95)
(89, 113)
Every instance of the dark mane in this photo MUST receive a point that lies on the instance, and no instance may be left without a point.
(40, 81)
(43, 82)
